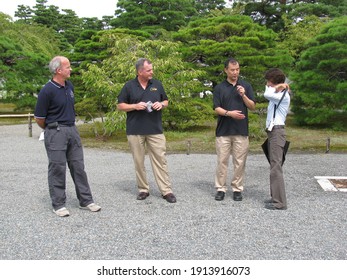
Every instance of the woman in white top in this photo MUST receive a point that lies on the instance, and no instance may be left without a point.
(279, 100)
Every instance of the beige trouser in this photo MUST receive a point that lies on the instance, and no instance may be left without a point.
(236, 146)
(156, 146)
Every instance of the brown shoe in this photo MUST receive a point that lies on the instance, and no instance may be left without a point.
(170, 197)
(142, 195)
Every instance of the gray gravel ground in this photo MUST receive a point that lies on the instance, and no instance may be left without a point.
(195, 228)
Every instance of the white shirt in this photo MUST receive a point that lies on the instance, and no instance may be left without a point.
(281, 111)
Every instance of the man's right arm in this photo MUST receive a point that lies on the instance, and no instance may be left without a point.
(131, 107)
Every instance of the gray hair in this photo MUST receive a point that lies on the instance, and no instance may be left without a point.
(140, 62)
(55, 64)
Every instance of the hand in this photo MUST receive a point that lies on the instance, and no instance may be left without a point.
(140, 106)
(241, 90)
(236, 114)
(281, 87)
(158, 106)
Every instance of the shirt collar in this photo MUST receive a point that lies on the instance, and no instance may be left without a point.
(149, 81)
(56, 84)
(230, 84)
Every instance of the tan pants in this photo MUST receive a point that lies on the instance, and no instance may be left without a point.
(236, 146)
(156, 146)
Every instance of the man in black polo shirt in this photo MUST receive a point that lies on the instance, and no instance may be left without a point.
(231, 100)
(55, 113)
(143, 99)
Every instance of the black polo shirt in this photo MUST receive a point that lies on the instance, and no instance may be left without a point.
(143, 122)
(55, 103)
(226, 96)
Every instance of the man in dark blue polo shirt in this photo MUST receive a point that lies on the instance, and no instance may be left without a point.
(143, 99)
(55, 113)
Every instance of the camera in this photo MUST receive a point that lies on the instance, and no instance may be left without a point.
(149, 106)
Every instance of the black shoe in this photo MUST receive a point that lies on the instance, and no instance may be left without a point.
(268, 200)
(272, 207)
(170, 197)
(237, 196)
(219, 195)
(142, 195)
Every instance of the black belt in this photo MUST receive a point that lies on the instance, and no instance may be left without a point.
(278, 126)
(57, 124)
(66, 124)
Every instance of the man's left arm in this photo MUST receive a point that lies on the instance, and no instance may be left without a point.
(250, 104)
(247, 95)
(41, 122)
(160, 105)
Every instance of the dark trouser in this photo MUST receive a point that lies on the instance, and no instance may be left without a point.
(277, 141)
(63, 145)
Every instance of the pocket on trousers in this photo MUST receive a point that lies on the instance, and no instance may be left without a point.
(76, 137)
(281, 140)
(55, 140)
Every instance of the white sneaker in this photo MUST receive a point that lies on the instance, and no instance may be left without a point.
(91, 207)
(62, 212)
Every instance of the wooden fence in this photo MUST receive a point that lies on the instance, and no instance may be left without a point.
(30, 120)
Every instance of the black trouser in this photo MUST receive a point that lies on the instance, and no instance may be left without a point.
(63, 145)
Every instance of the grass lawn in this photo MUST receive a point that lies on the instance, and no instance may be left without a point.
(9, 109)
(202, 140)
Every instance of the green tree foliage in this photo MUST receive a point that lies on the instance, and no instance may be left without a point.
(66, 24)
(270, 12)
(210, 41)
(320, 78)
(204, 7)
(25, 51)
(24, 13)
(153, 14)
(295, 36)
(179, 80)
(273, 34)
(45, 15)
(320, 8)
(69, 25)
(92, 24)
(89, 49)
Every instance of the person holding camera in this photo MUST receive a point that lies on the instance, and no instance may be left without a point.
(55, 113)
(279, 100)
(231, 100)
(143, 99)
